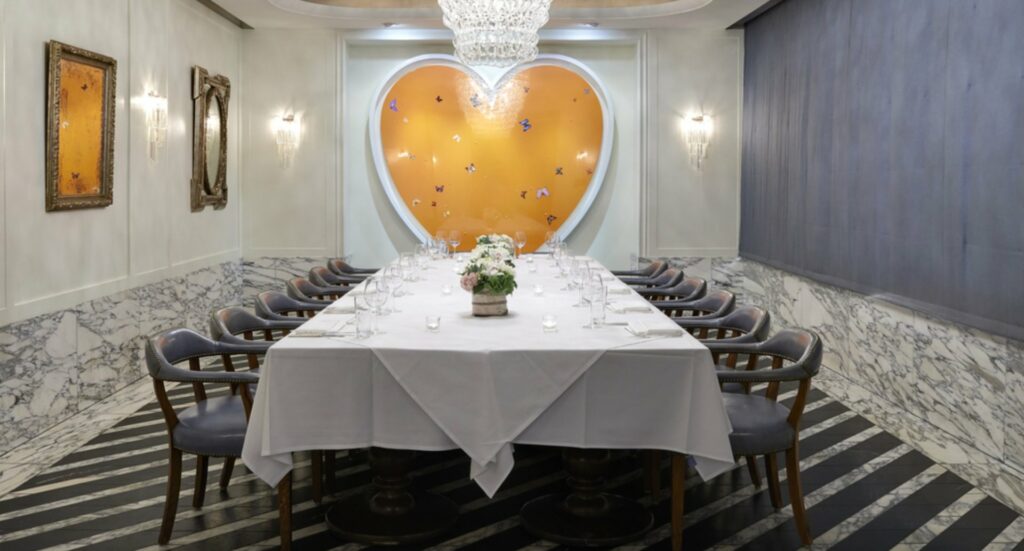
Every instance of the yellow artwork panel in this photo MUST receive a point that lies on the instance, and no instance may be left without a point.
(518, 161)
(80, 134)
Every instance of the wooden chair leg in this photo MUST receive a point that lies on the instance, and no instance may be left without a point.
(755, 474)
(317, 465)
(330, 467)
(284, 506)
(652, 471)
(225, 473)
(678, 489)
(199, 492)
(771, 467)
(171, 503)
(796, 494)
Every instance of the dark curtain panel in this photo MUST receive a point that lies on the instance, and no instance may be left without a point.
(883, 151)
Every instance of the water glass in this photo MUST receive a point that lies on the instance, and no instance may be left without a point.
(446, 289)
(454, 239)
(433, 323)
(538, 290)
(549, 322)
(364, 324)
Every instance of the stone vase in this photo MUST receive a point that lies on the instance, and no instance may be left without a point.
(485, 305)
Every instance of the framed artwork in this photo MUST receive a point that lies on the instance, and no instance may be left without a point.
(81, 88)
(210, 96)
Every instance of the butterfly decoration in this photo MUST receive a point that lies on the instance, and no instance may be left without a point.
(475, 100)
(405, 120)
(416, 202)
(393, 105)
(551, 218)
(85, 87)
(522, 194)
(447, 213)
(433, 203)
(471, 168)
(438, 99)
(439, 189)
(558, 171)
(525, 123)
(526, 89)
(590, 172)
(574, 100)
(543, 192)
(412, 157)
(586, 90)
(457, 138)
(75, 175)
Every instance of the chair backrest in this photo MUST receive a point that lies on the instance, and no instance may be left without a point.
(321, 276)
(656, 268)
(745, 324)
(226, 323)
(667, 278)
(712, 305)
(273, 305)
(687, 289)
(300, 288)
(341, 267)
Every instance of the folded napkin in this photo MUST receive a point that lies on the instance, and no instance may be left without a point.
(619, 291)
(341, 308)
(641, 329)
(629, 307)
(320, 327)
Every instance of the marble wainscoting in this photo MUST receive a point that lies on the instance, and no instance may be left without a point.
(954, 392)
(270, 273)
(56, 365)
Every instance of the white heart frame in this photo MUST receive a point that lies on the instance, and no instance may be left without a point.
(491, 85)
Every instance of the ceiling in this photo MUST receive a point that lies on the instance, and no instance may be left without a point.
(369, 14)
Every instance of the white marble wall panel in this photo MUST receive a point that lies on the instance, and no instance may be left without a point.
(267, 273)
(56, 365)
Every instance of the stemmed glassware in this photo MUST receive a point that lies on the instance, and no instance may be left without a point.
(579, 274)
(520, 241)
(378, 293)
(454, 238)
(440, 243)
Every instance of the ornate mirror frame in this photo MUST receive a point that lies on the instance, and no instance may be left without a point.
(208, 190)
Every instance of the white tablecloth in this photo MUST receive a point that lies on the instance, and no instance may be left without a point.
(483, 384)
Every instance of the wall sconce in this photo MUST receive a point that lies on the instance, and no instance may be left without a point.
(155, 107)
(697, 130)
(286, 131)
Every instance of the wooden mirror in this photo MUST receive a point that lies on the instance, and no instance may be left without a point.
(210, 139)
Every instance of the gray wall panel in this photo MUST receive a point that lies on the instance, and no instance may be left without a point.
(883, 150)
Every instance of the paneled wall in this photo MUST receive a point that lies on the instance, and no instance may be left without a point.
(652, 197)
(79, 290)
(882, 151)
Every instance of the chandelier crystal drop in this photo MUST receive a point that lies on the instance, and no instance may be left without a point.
(498, 33)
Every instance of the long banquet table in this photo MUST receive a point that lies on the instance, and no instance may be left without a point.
(483, 385)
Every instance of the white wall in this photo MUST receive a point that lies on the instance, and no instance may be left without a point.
(652, 197)
(56, 260)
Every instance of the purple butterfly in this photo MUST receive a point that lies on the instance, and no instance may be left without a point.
(525, 123)
(543, 192)
(526, 89)
(393, 105)
(475, 100)
(586, 90)
(551, 218)
(439, 189)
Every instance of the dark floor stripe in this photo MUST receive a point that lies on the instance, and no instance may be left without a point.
(976, 528)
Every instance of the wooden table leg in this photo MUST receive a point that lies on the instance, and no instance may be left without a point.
(586, 516)
(678, 490)
(391, 512)
(284, 507)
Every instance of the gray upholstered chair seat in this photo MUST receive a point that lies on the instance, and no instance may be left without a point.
(759, 425)
(215, 426)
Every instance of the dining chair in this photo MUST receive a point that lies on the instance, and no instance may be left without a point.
(712, 305)
(669, 278)
(660, 266)
(743, 325)
(652, 269)
(323, 277)
(226, 325)
(300, 288)
(341, 267)
(682, 289)
(213, 426)
(760, 424)
(273, 305)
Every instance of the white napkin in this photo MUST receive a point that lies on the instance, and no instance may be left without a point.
(341, 308)
(320, 327)
(629, 307)
(640, 329)
(620, 290)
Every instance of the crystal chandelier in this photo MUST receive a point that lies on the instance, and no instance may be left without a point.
(499, 33)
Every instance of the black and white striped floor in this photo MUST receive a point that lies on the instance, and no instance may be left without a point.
(864, 490)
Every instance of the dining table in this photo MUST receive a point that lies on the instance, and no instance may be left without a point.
(540, 375)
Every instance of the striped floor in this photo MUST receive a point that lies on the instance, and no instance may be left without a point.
(865, 490)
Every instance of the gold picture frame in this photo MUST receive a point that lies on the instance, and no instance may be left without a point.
(210, 96)
(81, 94)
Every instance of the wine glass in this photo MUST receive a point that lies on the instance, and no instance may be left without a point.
(549, 240)
(520, 241)
(454, 238)
(368, 299)
(381, 291)
(393, 277)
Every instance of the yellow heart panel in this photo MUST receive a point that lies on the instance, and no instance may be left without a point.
(520, 159)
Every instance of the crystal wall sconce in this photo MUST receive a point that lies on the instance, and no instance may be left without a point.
(155, 107)
(286, 133)
(697, 131)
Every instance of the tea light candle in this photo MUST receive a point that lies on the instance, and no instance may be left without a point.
(538, 290)
(433, 323)
(549, 322)
(446, 289)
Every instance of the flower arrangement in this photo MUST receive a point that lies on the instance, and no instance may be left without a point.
(489, 269)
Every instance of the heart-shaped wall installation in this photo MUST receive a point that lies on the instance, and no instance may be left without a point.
(527, 152)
